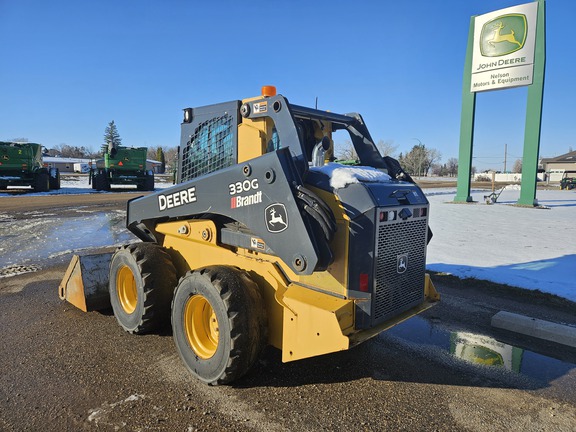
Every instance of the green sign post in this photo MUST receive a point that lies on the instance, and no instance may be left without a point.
(506, 48)
(534, 116)
(466, 126)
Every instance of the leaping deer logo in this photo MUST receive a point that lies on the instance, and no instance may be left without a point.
(503, 35)
(401, 263)
(276, 218)
(499, 37)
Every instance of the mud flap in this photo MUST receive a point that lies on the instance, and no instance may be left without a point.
(85, 283)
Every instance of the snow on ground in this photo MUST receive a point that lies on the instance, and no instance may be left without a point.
(525, 247)
(78, 184)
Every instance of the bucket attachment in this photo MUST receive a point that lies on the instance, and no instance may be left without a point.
(85, 283)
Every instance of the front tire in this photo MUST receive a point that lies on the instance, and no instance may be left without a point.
(142, 281)
(218, 323)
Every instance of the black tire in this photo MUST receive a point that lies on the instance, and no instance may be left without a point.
(142, 282)
(100, 182)
(149, 183)
(218, 323)
(41, 182)
(55, 179)
(96, 182)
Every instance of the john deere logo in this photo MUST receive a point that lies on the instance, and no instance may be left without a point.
(401, 263)
(503, 35)
(276, 218)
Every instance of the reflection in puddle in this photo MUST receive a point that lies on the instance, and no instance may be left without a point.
(484, 350)
(481, 350)
(44, 237)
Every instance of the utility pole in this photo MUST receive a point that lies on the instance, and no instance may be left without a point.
(505, 153)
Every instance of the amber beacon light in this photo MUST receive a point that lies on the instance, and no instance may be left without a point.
(268, 91)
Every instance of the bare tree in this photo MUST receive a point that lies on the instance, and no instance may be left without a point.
(345, 151)
(439, 169)
(420, 159)
(452, 167)
(517, 168)
(171, 156)
(68, 151)
(386, 148)
(432, 156)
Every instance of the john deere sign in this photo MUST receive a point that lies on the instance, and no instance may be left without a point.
(505, 48)
(503, 53)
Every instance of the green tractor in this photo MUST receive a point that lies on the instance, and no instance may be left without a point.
(21, 165)
(122, 166)
(568, 181)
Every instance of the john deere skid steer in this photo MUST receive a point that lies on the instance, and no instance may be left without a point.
(263, 240)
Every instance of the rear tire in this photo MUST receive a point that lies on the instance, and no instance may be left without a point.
(42, 182)
(142, 282)
(55, 179)
(149, 183)
(218, 323)
(100, 182)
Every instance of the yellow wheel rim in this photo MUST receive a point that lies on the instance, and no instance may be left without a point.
(201, 326)
(126, 289)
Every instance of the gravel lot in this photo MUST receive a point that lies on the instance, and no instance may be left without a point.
(63, 369)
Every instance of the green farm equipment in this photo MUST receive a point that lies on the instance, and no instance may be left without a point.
(21, 165)
(122, 166)
(568, 181)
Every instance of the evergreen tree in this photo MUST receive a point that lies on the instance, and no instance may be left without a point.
(111, 137)
(162, 159)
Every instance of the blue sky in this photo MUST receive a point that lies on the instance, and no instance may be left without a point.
(71, 66)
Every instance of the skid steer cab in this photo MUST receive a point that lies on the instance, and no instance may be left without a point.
(265, 240)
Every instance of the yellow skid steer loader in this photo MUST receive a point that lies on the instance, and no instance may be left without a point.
(266, 240)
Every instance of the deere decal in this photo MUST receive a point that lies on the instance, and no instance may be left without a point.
(503, 35)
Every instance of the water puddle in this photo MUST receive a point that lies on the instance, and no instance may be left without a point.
(481, 350)
(45, 237)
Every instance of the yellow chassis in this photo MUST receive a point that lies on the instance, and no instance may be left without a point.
(303, 320)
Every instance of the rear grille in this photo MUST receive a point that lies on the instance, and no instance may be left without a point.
(397, 290)
(210, 148)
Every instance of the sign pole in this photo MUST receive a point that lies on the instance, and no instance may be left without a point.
(466, 125)
(534, 115)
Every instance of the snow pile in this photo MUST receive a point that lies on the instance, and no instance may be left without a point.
(342, 175)
(523, 247)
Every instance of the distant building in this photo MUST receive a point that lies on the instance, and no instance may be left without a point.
(566, 162)
(556, 166)
(66, 165)
(79, 165)
(153, 165)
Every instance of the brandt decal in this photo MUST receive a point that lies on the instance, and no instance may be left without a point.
(276, 218)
